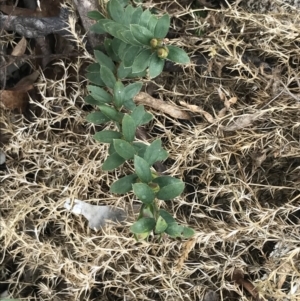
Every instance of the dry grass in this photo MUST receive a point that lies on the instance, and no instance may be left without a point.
(242, 194)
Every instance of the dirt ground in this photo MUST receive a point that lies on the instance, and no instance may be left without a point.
(239, 156)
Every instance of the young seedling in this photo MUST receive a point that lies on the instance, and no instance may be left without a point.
(137, 47)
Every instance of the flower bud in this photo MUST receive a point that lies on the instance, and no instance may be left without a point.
(153, 43)
(162, 52)
(155, 187)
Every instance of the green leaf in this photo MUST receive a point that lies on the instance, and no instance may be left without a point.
(143, 192)
(166, 180)
(162, 27)
(94, 67)
(156, 66)
(95, 15)
(136, 16)
(141, 34)
(104, 60)
(107, 136)
(145, 18)
(147, 210)
(137, 114)
(152, 24)
(170, 191)
(124, 149)
(112, 162)
(129, 104)
(111, 113)
(97, 28)
(155, 152)
(110, 52)
(116, 11)
(130, 55)
(188, 232)
(93, 74)
(167, 216)
(107, 76)
(178, 55)
(119, 94)
(140, 116)
(124, 184)
(124, 2)
(95, 79)
(132, 90)
(115, 45)
(174, 230)
(97, 118)
(161, 225)
(128, 128)
(142, 60)
(142, 169)
(99, 94)
(122, 49)
(146, 118)
(90, 100)
(111, 149)
(137, 75)
(129, 10)
(122, 71)
(129, 38)
(143, 225)
(113, 28)
(141, 236)
(140, 148)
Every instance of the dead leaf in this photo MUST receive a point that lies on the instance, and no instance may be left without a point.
(205, 4)
(227, 103)
(187, 247)
(26, 83)
(96, 215)
(258, 158)
(19, 11)
(14, 99)
(52, 8)
(197, 109)
(17, 97)
(241, 122)
(221, 94)
(157, 104)
(2, 157)
(222, 112)
(232, 100)
(211, 296)
(238, 277)
(20, 48)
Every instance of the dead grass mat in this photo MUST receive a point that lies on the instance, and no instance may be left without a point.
(242, 195)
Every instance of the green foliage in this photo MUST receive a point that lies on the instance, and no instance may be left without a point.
(124, 184)
(144, 192)
(137, 47)
(142, 169)
(143, 225)
(138, 40)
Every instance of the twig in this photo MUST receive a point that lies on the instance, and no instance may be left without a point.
(33, 27)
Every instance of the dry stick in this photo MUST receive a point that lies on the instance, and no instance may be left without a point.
(158, 104)
(238, 277)
(83, 7)
(3, 77)
(32, 27)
